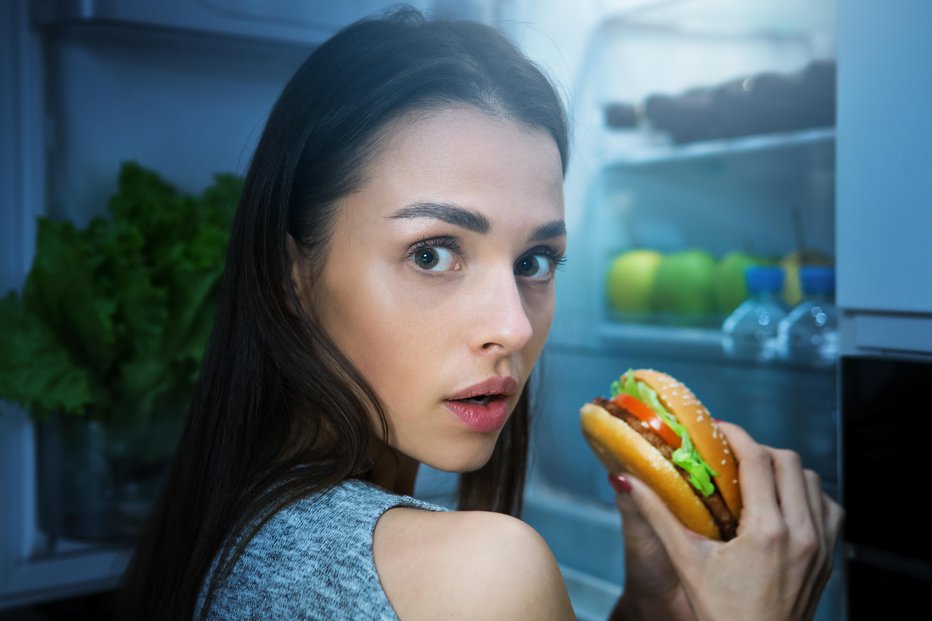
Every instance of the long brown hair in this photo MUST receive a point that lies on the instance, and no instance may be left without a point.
(272, 380)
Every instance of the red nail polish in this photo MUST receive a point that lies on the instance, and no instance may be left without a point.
(621, 484)
(718, 420)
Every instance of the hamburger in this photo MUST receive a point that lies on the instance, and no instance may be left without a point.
(654, 427)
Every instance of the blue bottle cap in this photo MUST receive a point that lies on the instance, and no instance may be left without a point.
(763, 279)
(817, 280)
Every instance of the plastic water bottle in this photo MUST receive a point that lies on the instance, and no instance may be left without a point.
(750, 332)
(809, 333)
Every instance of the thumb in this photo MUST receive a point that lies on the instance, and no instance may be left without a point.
(678, 540)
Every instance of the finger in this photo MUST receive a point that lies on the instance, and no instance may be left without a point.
(679, 541)
(641, 541)
(792, 493)
(798, 531)
(755, 478)
(798, 491)
(817, 509)
(812, 595)
(631, 517)
(815, 594)
(816, 505)
(626, 505)
(832, 519)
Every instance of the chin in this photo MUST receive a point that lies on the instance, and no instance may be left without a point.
(465, 458)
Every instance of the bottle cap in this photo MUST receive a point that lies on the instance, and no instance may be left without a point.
(817, 280)
(763, 279)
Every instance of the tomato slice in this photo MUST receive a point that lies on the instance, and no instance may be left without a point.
(644, 412)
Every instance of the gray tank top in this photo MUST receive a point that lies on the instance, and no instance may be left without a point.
(313, 560)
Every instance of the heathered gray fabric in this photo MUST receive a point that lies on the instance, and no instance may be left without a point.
(313, 560)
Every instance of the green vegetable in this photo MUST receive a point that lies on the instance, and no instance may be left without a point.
(114, 317)
(686, 457)
(700, 474)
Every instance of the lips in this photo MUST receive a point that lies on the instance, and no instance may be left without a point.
(483, 407)
(494, 386)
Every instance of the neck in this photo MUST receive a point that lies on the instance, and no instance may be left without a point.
(394, 471)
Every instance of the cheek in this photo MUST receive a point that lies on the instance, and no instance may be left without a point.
(539, 307)
(388, 328)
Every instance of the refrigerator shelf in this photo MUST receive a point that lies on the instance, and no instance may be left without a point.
(290, 23)
(614, 155)
(706, 342)
(70, 569)
(684, 342)
(722, 18)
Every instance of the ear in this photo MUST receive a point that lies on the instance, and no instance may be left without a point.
(299, 271)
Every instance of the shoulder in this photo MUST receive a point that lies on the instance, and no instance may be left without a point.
(469, 564)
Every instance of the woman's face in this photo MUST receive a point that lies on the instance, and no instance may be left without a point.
(440, 277)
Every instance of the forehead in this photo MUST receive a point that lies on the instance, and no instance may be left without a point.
(461, 155)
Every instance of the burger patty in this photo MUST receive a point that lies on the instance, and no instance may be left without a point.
(721, 514)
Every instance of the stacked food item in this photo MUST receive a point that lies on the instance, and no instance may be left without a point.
(749, 105)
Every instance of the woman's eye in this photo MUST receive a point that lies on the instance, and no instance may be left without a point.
(434, 258)
(534, 266)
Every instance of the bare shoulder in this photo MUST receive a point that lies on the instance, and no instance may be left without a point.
(467, 564)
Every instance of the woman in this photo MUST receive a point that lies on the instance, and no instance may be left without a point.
(388, 289)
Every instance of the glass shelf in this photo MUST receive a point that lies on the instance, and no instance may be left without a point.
(726, 17)
(616, 155)
(64, 574)
(688, 342)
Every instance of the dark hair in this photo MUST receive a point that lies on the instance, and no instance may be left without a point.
(272, 381)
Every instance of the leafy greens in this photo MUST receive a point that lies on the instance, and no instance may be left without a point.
(113, 318)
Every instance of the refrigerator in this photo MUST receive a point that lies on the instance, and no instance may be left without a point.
(94, 83)
(848, 189)
(713, 180)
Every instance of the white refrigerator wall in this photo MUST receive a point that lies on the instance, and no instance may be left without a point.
(885, 211)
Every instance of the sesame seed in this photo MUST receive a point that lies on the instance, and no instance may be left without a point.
(724, 462)
(727, 451)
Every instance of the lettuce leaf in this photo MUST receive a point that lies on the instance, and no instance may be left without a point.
(700, 474)
(35, 369)
(686, 457)
(119, 312)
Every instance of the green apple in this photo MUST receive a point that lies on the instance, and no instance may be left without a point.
(729, 288)
(792, 288)
(684, 284)
(630, 280)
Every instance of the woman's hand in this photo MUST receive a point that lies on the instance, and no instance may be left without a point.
(652, 586)
(777, 566)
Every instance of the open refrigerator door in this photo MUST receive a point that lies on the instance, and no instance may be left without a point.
(703, 143)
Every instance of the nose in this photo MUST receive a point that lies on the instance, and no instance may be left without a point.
(502, 323)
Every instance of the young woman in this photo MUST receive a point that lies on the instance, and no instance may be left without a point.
(388, 289)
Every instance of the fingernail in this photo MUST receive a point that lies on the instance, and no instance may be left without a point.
(621, 484)
(718, 420)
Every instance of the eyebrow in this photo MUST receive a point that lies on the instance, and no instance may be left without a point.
(470, 220)
(556, 228)
(445, 212)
